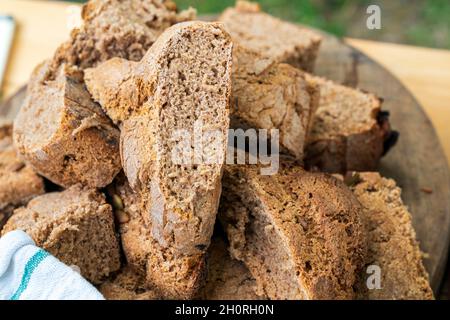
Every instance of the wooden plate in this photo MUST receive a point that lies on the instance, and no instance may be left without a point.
(417, 163)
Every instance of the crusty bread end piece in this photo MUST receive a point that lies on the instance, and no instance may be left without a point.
(76, 226)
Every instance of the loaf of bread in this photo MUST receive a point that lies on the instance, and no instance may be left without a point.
(270, 96)
(393, 247)
(118, 28)
(128, 284)
(275, 39)
(63, 135)
(76, 226)
(299, 233)
(18, 182)
(349, 130)
(228, 279)
(172, 276)
(184, 80)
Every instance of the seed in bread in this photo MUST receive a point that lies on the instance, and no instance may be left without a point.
(299, 233)
(272, 96)
(76, 226)
(183, 80)
(18, 182)
(392, 242)
(275, 39)
(63, 135)
(118, 28)
(349, 130)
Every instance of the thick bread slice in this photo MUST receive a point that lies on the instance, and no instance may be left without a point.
(76, 226)
(275, 39)
(18, 182)
(172, 276)
(228, 279)
(349, 130)
(273, 96)
(118, 28)
(128, 284)
(63, 135)
(392, 241)
(299, 233)
(184, 80)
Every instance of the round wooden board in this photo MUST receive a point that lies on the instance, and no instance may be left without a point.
(417, 163)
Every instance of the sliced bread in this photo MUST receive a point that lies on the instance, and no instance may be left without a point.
(184, 80)
(63, 135)
(275, 39)
(76, 226)
(18, 182)
(299, 233)
(272, 96)
(350, 132)
(393, 247)
(118, 28)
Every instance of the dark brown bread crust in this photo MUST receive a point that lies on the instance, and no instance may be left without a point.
(76, 226)
(18, 182)
(63, 135)
(349, 130)
(392, 241)
(228, 279)
(118, 28)
(273, 96)
(299, 233)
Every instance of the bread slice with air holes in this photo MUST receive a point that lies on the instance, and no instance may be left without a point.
(299, 233)
(274, 39)
(183, 80)
(350, 132)
(62, 134)
(392, 243)
(273, 96)
(76, 226)
(118, 28)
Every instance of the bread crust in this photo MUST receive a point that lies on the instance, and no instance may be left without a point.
(63, 135)
(299, 233)
(76, 226)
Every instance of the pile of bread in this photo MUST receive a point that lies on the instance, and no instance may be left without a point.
(86, 168)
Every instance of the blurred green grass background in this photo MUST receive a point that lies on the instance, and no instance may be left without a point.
(415, 22)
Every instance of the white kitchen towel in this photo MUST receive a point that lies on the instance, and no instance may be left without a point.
(30, 273)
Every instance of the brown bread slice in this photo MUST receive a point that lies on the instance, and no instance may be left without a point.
(18, 182)
(128, 284)
(228, 279)
(277, 40)
(184, 78)
(63, 135)
(272, 96)
(349, 130)
(299, 233)
(76, 226)
(392, 241)
(118, 28)
(172, 276)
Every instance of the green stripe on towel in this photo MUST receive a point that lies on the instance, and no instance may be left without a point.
(31, 265)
